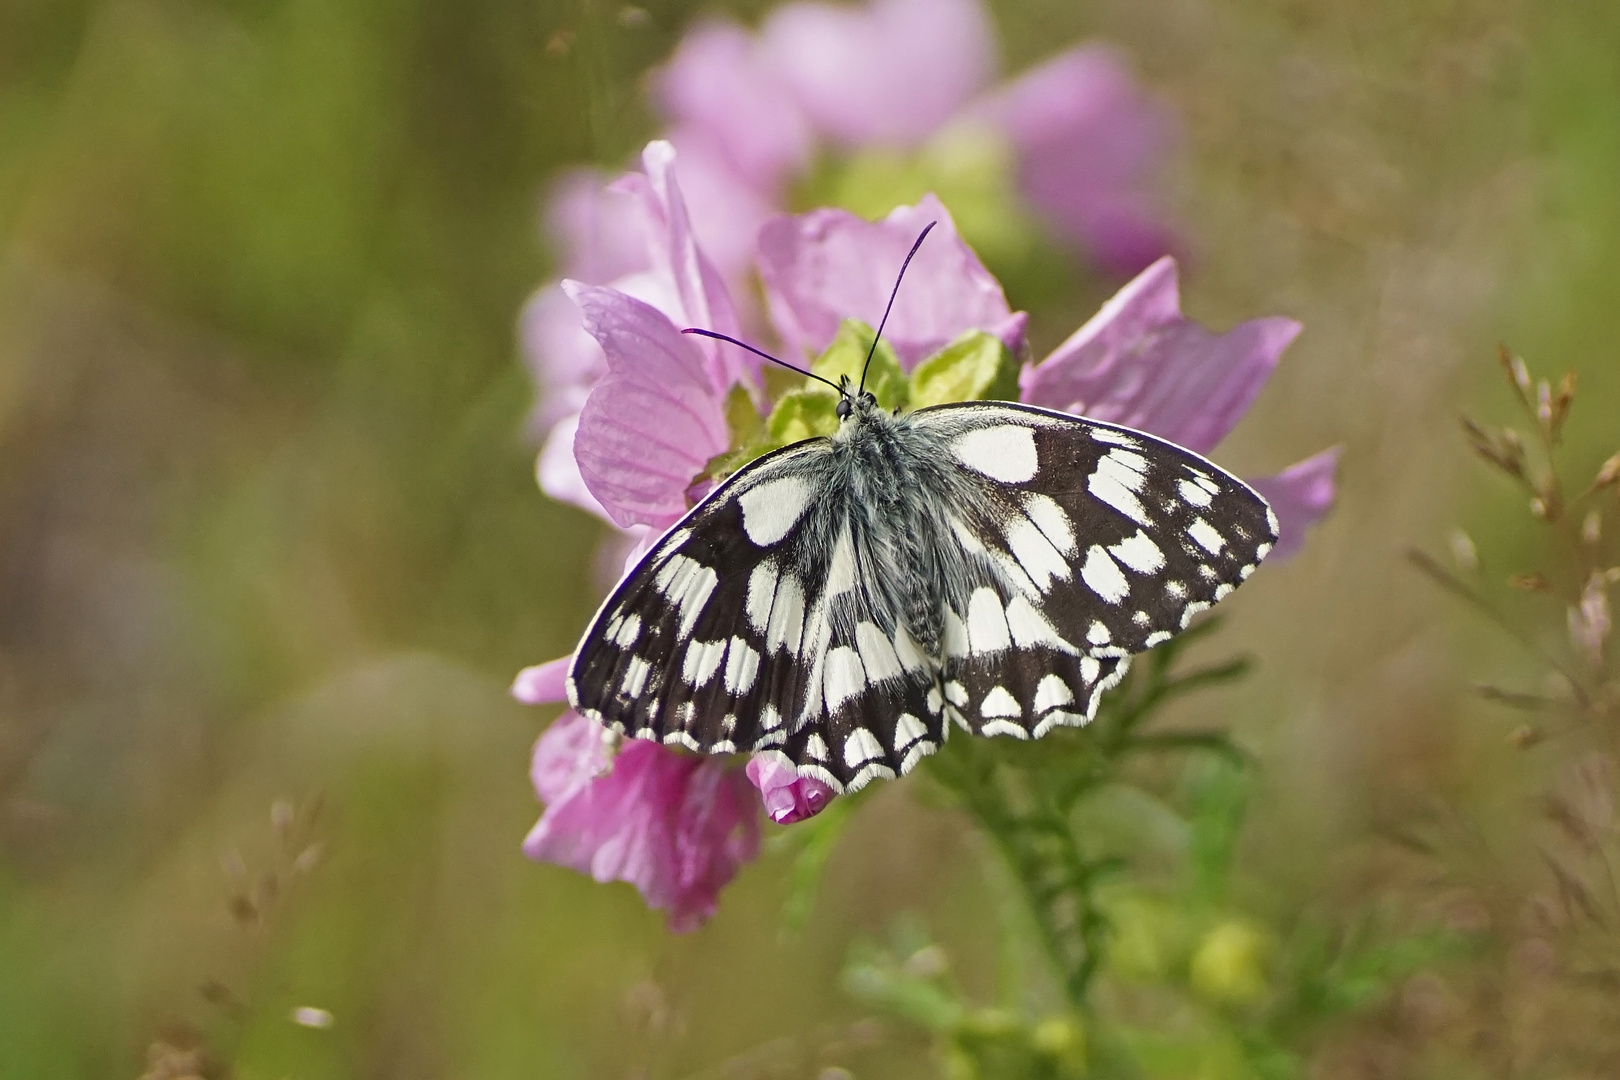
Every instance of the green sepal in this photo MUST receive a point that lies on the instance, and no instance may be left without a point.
(846, 355)
(749, 438)
(803, 414)
(975, 367)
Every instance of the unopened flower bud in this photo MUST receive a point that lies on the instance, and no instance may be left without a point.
(1229, 964)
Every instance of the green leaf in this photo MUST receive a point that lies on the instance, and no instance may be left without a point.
(845, 357)
(974, 367)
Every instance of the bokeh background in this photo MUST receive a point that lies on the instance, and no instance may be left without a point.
(269, 532)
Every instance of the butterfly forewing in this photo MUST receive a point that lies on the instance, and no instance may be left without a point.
(1040, 549)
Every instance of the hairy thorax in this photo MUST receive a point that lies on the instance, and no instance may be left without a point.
(887, 475)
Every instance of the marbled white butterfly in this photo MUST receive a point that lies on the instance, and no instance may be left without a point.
(843, 601)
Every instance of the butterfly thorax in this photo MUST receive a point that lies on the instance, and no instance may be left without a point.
(886, 482)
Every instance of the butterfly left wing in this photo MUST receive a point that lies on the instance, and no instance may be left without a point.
(748, 627)
(1092, 542)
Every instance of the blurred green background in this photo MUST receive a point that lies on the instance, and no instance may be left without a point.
(269, 530)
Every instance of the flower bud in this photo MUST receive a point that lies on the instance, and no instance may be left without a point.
(1229, 964)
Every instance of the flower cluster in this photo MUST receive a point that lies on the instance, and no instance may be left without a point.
(638, 425)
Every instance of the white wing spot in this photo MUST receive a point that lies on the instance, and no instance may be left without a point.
(1205, 536)
(935, 702)
(1090, 668)
(1029, 627)
(1175, 590)
(1005, 452)
(955, 639)
(1103, 575)
(845, 677)
(1035, 553)
(681, 738)
(771, 509)
(635, 677)
(1156, 638)
(1140, 553)
(742, 667)
(915, 754)
(1222, 591)
(986, 623)
(861, 746)
(906, 651)
(1052, 692)
(1004, 727)
(1194, 494)
(761, 591)
(1106, 485)
(1262, 551)
(999, 702)
(1112, 437)
(956, 693)
(702, 661)
(1049, 517)
(841, 570)
(724, 746)
(1098, 634)
(907, 730)
(1204, 481)
(877, 654)
(769, 718)
(786, 626)
(688, 586)
(815, 747)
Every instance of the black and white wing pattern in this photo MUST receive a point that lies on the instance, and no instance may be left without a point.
(750, 627)
(845, 601)
(1093, 542)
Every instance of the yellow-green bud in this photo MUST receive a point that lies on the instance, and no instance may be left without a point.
(1229, 964)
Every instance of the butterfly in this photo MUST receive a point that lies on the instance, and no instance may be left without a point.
(846, 600)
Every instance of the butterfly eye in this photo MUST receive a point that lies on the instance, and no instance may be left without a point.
(845, 406)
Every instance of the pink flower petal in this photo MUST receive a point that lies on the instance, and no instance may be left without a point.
(563, 360)
(718, 85)
(601, 233)
(700, 293)
(788, 797)
(828, 265)
(887, 73)
(557, 470)
(726, 209)
(675, 826)
(1140, 363)
(1087, 139)
(1300, 495)
(654, 421)
(543, 684)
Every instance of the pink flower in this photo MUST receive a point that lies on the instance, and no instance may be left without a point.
(828, 265)
(1088, 142)
(675, 826)
(673, 284)
(1084, 140)
(788, 797)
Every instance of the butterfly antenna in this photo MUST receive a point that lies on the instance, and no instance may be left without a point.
(760, 352)
(896, 292)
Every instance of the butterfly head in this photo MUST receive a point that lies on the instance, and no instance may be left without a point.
(853, 401)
